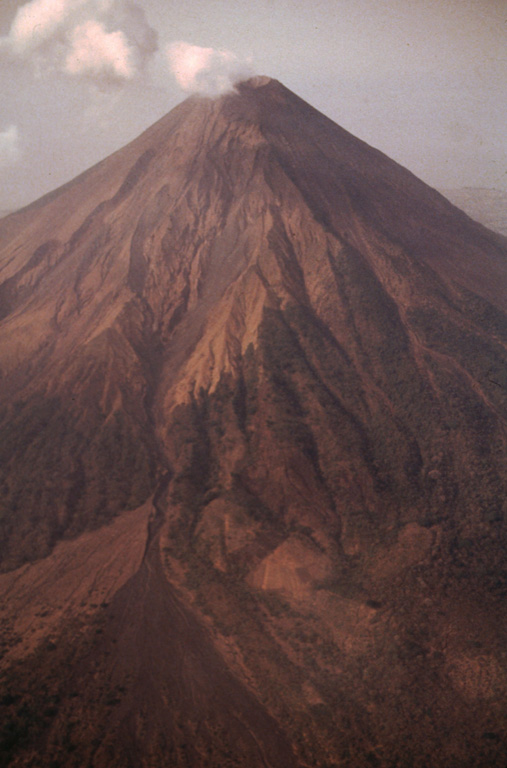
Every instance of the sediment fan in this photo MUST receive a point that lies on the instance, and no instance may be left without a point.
(253, 409)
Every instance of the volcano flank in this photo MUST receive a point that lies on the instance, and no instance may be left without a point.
(253, 400)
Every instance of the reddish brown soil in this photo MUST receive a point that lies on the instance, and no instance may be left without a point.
(252, 475)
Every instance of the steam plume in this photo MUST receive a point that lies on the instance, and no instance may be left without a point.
(107, 41)
(205, 70)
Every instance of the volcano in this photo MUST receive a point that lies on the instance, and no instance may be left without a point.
(252, 495)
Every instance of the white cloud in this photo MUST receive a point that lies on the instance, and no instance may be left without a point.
(205, 70)
(107, 41)
(9, 146)
(93, 51)
(37, 21)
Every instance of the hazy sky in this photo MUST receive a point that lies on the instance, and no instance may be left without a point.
(422, 80)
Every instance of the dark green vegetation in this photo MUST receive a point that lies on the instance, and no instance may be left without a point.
(61, 475)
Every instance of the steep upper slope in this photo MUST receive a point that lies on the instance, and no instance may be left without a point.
(288, 355)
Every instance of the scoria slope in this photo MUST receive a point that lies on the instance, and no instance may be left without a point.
(253, 470)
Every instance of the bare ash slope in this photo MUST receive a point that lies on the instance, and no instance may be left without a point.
(285, 355)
